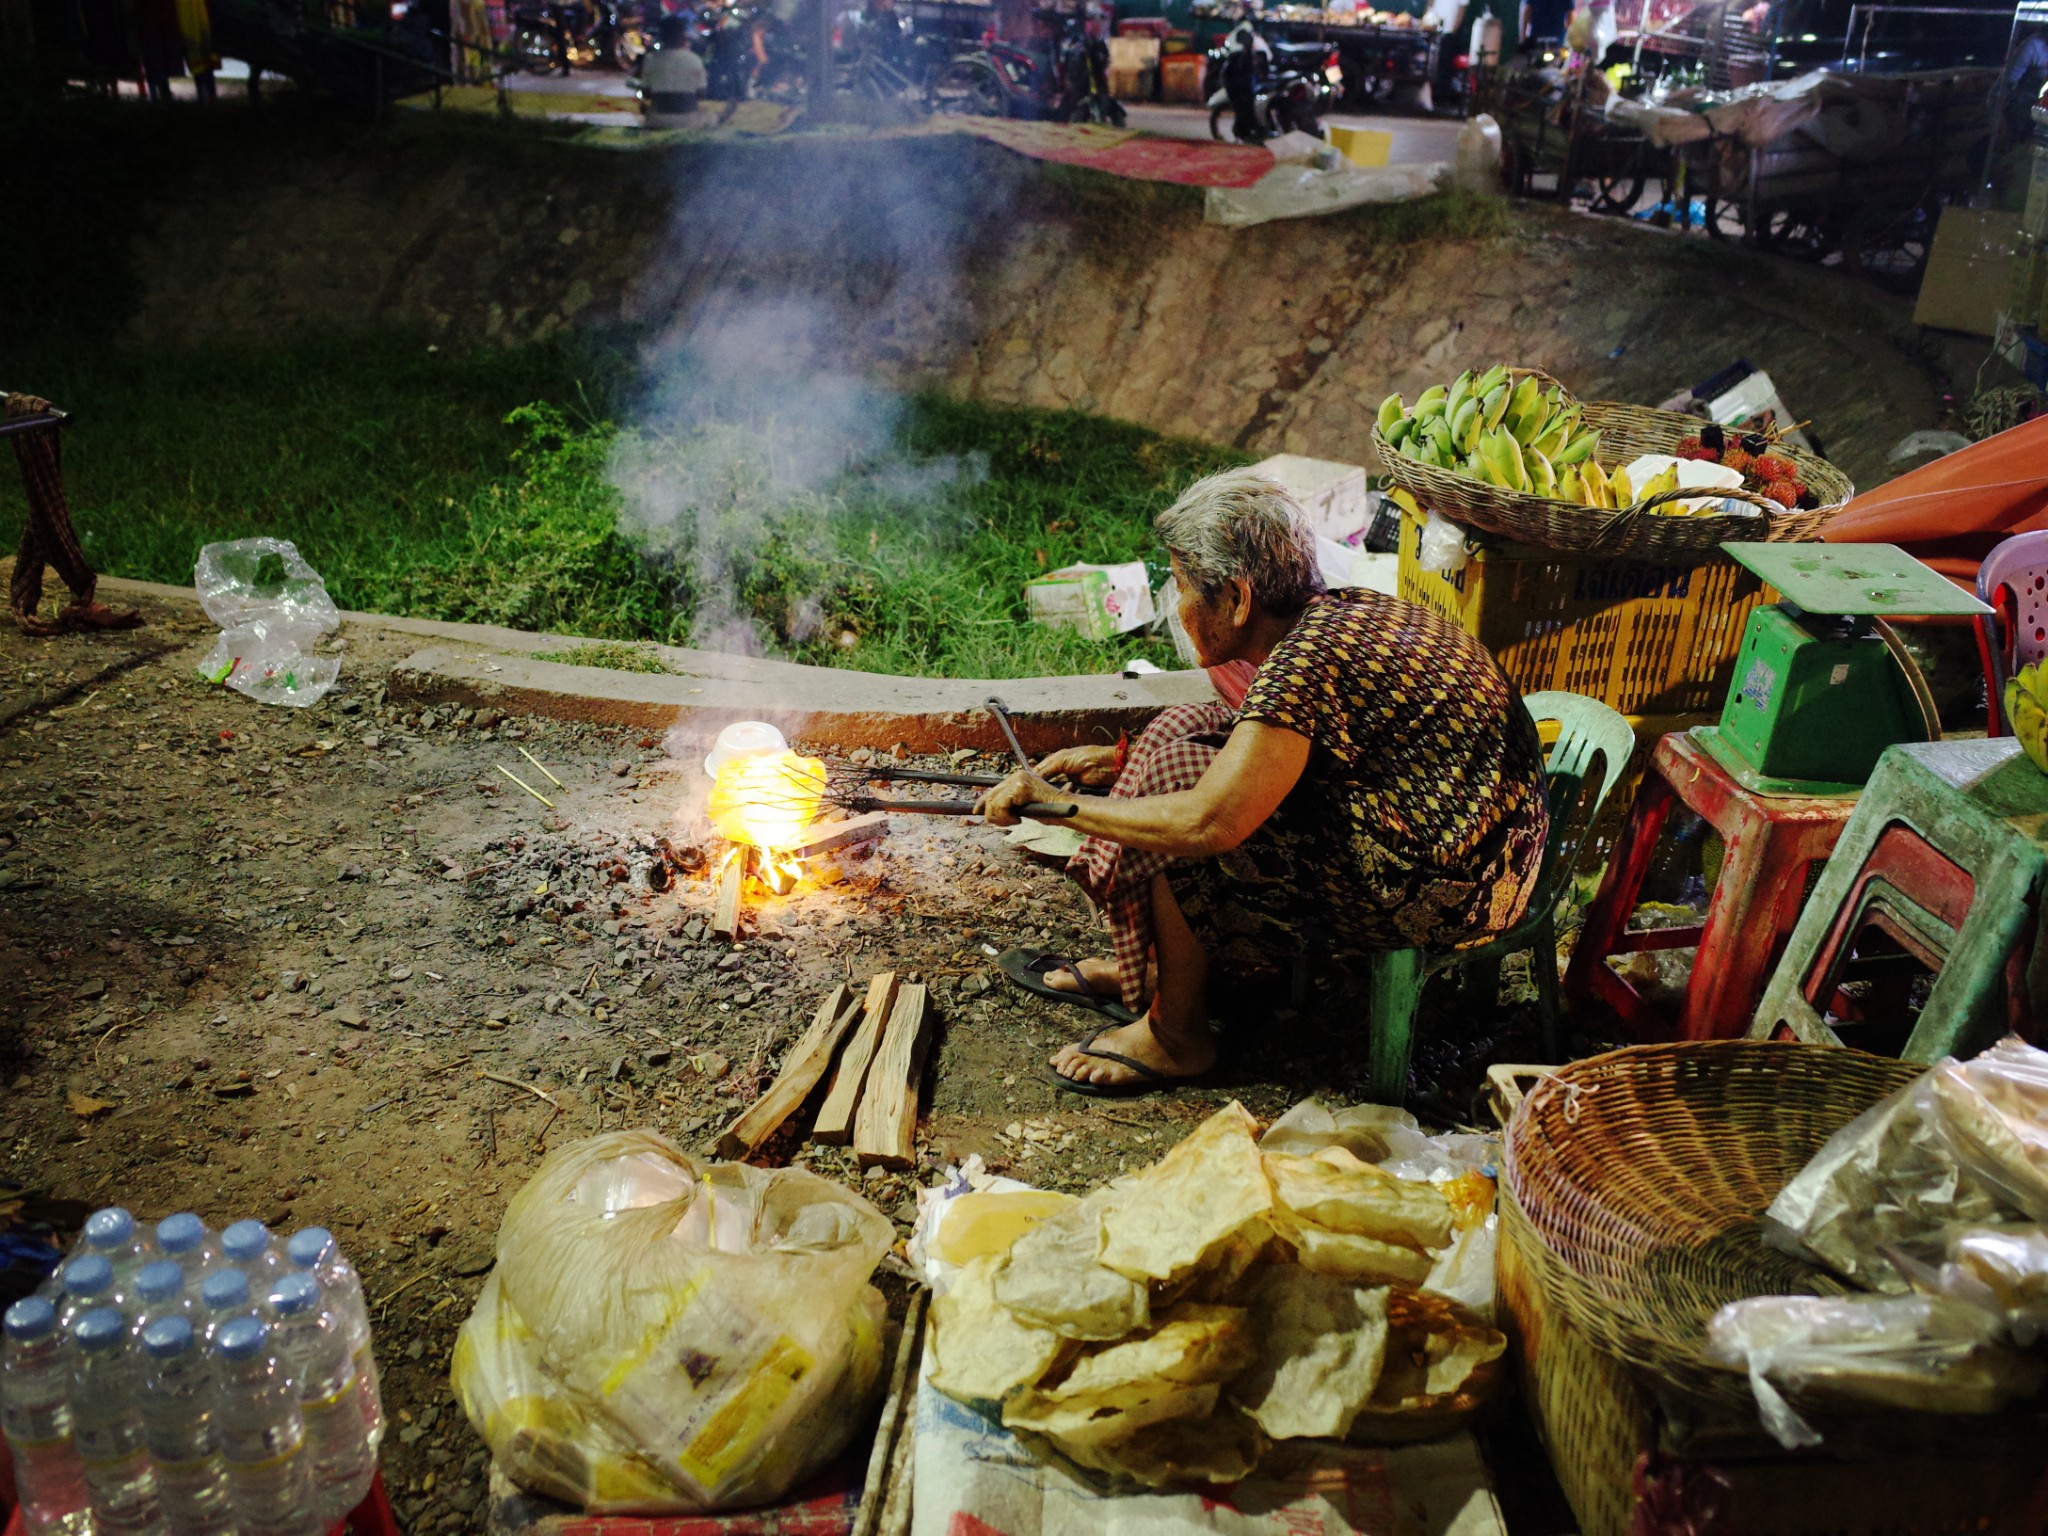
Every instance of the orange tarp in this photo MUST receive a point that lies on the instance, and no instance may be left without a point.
(1952, 512)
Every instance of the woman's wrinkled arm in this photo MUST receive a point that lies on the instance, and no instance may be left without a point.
(1241, 787)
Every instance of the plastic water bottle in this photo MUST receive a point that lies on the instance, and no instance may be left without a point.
(113, 1235)
(262, 1435)
(108, 1430)
(223, 1296)
(83, 1284)
(187, 1239)
(314, 1251)
(35, 1412)
(249, 1246)
(316, 1348)
(159, 1291)
(178, 1414)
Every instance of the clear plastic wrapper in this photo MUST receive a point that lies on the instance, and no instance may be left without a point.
(668, 1335)
(2005, 1268)
(1928, 1354)
(272, 608)
(1965, 1144)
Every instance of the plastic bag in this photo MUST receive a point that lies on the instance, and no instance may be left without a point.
(1965, 1144)
(271, 606)
(1462, 1166)
(2005, 1268)
(667, 1335)
(1476, 167)
(1929, 1354)
(1441, 549)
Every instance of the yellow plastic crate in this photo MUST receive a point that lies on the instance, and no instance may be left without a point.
(1647, 638)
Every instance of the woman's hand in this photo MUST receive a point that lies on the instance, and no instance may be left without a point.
(1020, 788)
(1093, 766)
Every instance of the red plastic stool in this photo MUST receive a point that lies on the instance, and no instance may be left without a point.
(1772, 839)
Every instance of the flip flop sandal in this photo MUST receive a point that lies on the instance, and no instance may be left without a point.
(1150, 1079)
(1028, 968)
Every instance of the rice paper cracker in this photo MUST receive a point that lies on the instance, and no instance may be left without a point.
(1347, 1256)
(982, 1353)
(1190, 1345)
(1336, 1191)
(1177, 1214)
(1054, 1279)
(1321, 1344)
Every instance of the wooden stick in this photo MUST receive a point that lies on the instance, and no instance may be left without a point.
(835, 1117)
(732, 880)
(543, 799)
(513, 1082)
(899, 1417)
(802, 1069)
(543, 767)
(831, 835)
(885, 1128)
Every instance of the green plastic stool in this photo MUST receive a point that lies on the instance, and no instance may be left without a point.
(1947, 852)
(1586, 729)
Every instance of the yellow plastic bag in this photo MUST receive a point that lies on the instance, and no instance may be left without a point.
(668, 1335)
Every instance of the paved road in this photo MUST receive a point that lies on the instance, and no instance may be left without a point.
(1417, 140)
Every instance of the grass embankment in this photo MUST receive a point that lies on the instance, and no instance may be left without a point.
(477, 489)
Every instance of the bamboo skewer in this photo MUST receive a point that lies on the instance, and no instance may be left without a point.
(543, 767)
(543, 799)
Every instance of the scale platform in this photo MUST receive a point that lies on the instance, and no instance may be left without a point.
(1814, 702)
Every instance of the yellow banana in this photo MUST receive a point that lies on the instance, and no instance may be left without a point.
(1391, 411)
(1492, 379)
(1542, 477)
(1619, 492)
(1579, 448)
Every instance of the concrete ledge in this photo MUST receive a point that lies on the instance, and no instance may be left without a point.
(485, 664)
(816, 704)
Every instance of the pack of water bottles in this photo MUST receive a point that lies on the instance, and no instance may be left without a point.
(175, 1381)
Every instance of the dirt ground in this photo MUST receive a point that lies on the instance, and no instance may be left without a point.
(298, 965)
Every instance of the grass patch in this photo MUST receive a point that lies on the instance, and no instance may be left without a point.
(613, 655)
(478, 489)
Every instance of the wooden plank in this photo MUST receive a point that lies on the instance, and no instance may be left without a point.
(885, 1129)
(831, 835)
(802, 1069)
(732, 880)
(835, 1117)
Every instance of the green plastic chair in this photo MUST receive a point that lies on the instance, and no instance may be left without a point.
(1586, 729)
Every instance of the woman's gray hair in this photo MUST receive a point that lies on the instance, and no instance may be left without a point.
(1240, 524)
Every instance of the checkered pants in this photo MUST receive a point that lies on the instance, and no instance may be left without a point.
(47, 537)
(1170, 755)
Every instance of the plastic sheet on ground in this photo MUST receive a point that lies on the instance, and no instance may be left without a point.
(272, 608)
(1304, 191)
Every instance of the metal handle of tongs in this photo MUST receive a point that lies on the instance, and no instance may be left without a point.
(963, 780)
(1036, 809)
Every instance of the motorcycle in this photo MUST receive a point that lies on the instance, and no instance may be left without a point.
(1065, 80)
(1291, 91)
(565, 34)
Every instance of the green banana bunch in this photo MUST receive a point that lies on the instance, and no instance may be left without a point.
(1505, 429)
(2026, 712)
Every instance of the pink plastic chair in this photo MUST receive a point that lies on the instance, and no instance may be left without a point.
(2013, 579)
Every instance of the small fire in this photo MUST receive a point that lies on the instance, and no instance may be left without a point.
(768, 802)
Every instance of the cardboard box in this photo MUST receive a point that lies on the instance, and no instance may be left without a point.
(1969, 271)
(1332, 494)
(1180, 77)
(1130, 84)
(1133, 52)
(1097, 600)
(1363, 146)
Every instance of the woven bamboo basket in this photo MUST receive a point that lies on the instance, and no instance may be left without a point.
(1643, 1175)
(1626, 432)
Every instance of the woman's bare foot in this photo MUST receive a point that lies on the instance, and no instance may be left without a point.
(98, 616)
(1170, 1057)
(36, 624)
(1102, 976)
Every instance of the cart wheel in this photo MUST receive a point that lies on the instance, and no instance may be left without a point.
(1618, 194)
(1890, 245)
(1724, 219)
(1794, 233)
(966, 87)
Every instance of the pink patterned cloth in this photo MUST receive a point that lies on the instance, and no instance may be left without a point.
(1170, 755)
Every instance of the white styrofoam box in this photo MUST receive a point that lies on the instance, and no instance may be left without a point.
(1332, 494)
(1097, 600)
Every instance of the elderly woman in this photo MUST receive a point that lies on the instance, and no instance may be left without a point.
(1381, 787)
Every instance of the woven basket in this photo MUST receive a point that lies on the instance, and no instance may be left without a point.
(1626, 432)
(1644, 1174)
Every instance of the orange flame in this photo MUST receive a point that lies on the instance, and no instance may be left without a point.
(767, 801)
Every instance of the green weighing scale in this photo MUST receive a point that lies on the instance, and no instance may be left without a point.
(1817, 693)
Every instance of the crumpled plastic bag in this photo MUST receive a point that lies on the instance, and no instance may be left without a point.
(1964, 1144)
(2005, 1268)
(272, 607)
(1928, 1354)
(1302, 191)
(667, 1335)
(1441, 549)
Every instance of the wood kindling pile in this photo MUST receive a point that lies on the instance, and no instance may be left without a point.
(875, 1045)
(741, 861)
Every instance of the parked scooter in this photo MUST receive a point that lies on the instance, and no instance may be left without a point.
(558, 35)
(1289, 84)
(1063, 79)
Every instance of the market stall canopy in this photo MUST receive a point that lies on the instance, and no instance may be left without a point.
(1952, 512)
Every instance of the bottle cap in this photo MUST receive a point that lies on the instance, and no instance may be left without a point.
(99, 1329)
(180, 1233)
(309, 1245)
(87, 1275)
(245, 1241)
(159, 1280)
(295, 1295)
(167, 1338)
(242, 1338)
(109, 1228)
(31, 1318)
(225, 1288)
